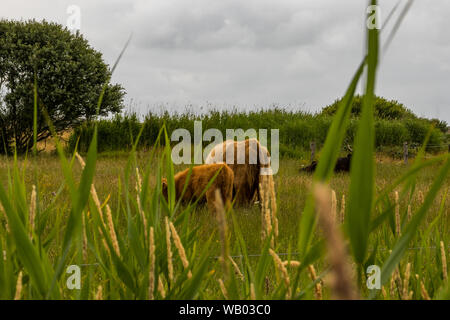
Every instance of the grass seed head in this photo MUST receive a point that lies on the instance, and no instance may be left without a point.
(99, 293)
(169, 250)
(383, 292)
(161, 289)
(444, 261)
(318, 285)
(397, 215)
(424, 291)
(291, 263)
(341, 274)
(5, 216)
(406, 282)
(152, 258)
(236, 269)
(18, 294)
(284, 273)
(333, 205)
(252, 292)
(223, 289)
(409, 213)
(112, 230)
(342, 212)
(32, 210)
(83, 226)
(180, 248)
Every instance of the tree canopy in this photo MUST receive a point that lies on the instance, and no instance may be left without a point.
(69, 73)
(384, 109)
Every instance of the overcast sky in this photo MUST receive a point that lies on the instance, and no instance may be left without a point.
(295, 53)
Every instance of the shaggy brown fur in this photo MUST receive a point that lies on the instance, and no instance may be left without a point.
(246, 168)
(198, 182)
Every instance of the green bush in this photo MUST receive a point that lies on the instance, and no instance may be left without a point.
(297, 129)
(114, 134)
(384, 109)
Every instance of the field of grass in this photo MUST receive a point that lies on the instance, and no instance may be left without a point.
(292, 188)
(102, 219)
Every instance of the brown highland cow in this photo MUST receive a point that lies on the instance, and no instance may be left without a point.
(247, 159)
(198, 182)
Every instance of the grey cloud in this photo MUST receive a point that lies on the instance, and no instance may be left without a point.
(205, 25)
(301, 53)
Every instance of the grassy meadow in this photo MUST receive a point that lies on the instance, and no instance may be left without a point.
(96, 226)
(292, 188)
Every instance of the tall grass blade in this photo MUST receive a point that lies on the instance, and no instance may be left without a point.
(362, 183)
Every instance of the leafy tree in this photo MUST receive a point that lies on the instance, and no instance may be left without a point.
(69, 73)
(387, 110)
(384, 109)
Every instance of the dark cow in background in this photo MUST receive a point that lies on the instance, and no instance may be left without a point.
(342, 165)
